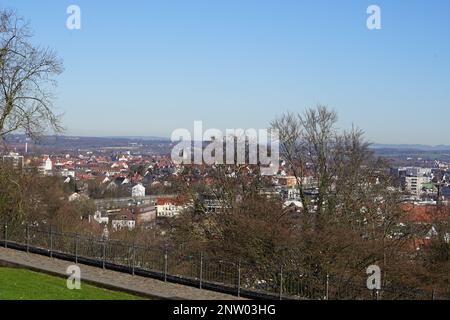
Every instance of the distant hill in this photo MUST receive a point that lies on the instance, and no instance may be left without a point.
(140, 138)
(74, 142)
(411, 147)
(53, 143)
(109, 139)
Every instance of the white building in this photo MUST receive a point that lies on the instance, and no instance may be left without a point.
(46, 166)
(13, 159)
(292, 193)
(100, 217)
(138, 191)
(67, 173)
(414, 185)
(78, 196)
(293, 205)
(169, 207)
(121, 224)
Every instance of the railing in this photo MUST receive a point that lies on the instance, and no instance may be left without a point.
(213, 273)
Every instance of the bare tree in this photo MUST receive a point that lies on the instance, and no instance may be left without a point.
(312, 146)
(291, 148)
(27, 76)
(354, 217)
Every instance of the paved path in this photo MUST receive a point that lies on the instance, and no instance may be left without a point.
(110, 279)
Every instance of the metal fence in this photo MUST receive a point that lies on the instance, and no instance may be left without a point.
(233, 277)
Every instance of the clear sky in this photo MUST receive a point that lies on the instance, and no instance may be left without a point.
(147, 67)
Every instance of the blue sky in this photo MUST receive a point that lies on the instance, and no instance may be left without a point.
(147, 67)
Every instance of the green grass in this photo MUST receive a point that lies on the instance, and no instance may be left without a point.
(19, 284)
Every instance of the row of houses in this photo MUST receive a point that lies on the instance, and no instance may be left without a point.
(130, 213)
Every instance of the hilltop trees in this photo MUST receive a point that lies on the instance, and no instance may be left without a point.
(36, 200)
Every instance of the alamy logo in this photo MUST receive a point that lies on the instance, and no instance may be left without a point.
(374, 279)
(73, 21)
(374, 20)
(236, 146)
(74, 279)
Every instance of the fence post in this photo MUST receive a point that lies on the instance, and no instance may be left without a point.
(375, 294)
(76, 248)
(27, 235)
(133, 258)
(327, 294)
(281, 283)
(103, 254)
(165, 264)
(239, 279)
(51, 242)
(201, 270)
(5, 230)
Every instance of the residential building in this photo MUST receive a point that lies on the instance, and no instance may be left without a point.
(123, 219)
(138, 191)
(14, 160)
(100, 216)
(170, 207)
(415, 184)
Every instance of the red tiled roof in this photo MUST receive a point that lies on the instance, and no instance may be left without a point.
(179, 201)
(425, 213)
